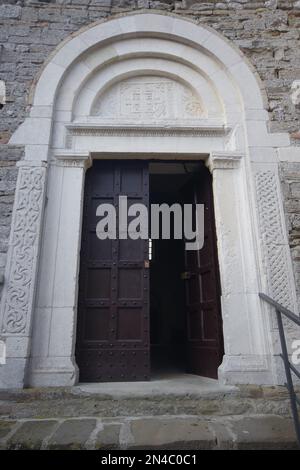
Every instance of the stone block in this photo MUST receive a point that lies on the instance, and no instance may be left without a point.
(29, 14)
(50, 14)
(12, 373)
(10, 11)
(222, 435)
(8, 178)
(31, 434)
(108, 437)
(295, 190)
(173, 433)
(5, 428)
(269, 432)
(72, 434)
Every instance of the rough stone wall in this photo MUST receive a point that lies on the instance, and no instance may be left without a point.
(267, 32)
(290, 178)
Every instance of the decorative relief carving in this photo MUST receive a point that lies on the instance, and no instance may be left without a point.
(279, 278)
(97, 130)
(268, 206)
(148, 99)
(72, 160)
(273, 238)
(24, 245)
(224, 161)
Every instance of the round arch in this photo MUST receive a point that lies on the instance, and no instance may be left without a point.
(225, 124)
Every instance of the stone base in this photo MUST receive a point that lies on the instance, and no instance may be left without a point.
(47, 374)
(12, 373)
(243, 370)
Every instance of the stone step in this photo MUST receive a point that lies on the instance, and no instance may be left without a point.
(180, 413)
(114, 401)
(182, 432)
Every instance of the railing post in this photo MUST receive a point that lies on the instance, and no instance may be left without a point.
(290, 385)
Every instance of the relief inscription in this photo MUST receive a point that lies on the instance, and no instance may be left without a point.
(148, 99)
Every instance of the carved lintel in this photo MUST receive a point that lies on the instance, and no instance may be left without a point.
(74, 159)
(121, 129)
(223, 160)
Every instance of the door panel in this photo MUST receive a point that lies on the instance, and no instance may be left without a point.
(204, 322)
(113, 303)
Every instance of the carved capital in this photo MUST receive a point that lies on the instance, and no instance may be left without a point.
(74, 159)
(31, 164)
(223, 161)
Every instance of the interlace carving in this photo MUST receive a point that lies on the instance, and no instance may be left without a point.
(24, 240)
(273, 237)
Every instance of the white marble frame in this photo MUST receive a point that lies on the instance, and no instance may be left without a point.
(242, 156)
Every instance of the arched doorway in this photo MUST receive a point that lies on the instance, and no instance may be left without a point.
(144, 86)
(147, 307)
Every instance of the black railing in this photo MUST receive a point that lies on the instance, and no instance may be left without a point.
(288, 366)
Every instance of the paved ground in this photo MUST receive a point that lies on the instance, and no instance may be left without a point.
(182, 412)
(162, 432)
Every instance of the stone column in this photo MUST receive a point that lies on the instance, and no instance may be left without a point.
(52, 358)
(21, 273)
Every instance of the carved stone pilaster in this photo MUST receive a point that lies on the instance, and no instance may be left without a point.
(223, 160)
(273, 235)
(18, 298)
(19, 284)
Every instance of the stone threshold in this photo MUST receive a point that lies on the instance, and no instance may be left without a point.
(166, 384)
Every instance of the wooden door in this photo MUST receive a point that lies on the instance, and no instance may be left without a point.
(204, 322)
(113, 304)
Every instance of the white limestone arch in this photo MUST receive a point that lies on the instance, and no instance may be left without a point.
(62, 135)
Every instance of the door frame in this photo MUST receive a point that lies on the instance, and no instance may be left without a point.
(226, 170)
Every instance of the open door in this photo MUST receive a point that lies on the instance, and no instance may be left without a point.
(113, 317)
(113, 304)
(201, 277)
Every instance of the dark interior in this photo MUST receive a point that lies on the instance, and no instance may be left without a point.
(167, 289)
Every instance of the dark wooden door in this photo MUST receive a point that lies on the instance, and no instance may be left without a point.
(204, 322)
(113, 324)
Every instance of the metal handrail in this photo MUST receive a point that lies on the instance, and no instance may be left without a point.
(295, 401)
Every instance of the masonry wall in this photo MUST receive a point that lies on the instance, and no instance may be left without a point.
(266, 31)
